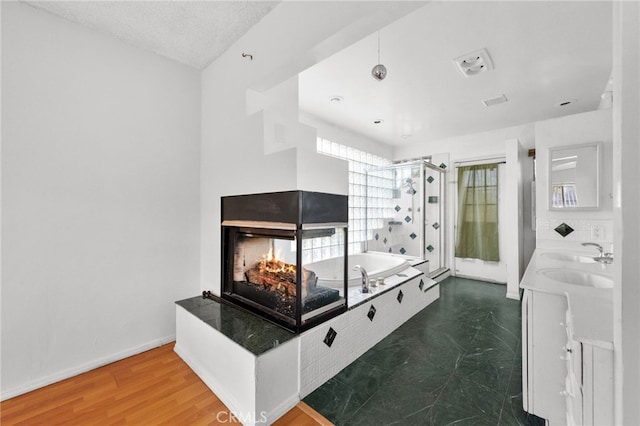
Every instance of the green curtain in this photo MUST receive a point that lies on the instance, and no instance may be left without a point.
(477, 232)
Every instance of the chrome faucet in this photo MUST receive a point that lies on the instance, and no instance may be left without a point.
(365, 278)
(596, 245)
(602, 257)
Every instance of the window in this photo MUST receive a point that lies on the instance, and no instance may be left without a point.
(359, 162)
(477, 230)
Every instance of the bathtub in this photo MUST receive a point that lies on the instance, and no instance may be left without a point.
(329, 271)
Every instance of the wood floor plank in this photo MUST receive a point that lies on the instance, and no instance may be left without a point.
(152, 388)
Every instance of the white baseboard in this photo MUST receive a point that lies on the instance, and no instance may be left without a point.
(281, 409)
(514, 296)
(74, 371)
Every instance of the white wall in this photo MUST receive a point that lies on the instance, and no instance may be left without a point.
(594, 126)
(516, 156)
(346, 137)
(626, 209)
(100, 184)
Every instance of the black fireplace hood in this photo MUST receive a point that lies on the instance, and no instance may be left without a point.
(297, 207)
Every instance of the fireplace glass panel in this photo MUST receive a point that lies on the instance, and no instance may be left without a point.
(265, 275)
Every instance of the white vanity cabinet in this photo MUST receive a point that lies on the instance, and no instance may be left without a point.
(597, 385)
(566, 380)
(544, 368)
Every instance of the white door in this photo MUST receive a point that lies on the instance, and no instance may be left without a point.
(480, 269)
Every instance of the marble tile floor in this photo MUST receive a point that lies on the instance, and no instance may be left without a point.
(458, 361)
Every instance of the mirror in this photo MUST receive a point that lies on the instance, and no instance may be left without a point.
(574, 177)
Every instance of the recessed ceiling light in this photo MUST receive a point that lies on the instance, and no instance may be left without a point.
(378, 121)
(336, 99)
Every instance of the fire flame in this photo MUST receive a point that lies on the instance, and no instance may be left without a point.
(271, 262)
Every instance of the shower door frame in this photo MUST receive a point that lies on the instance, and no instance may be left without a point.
(441, 209)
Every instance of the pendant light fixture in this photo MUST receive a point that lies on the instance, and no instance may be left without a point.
(379, 72)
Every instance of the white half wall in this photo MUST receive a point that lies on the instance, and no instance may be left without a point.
(100, 185)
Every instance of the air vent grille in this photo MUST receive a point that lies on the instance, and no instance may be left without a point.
(474, 63)
(495, 101)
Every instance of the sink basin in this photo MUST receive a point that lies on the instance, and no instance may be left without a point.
(572, 276)
(568, 257)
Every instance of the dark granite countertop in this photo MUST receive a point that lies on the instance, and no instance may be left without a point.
(253, 333)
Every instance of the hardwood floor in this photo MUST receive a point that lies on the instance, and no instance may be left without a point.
(154, 387)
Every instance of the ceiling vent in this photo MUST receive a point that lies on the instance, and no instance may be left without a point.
(474, 63)
(495, 101)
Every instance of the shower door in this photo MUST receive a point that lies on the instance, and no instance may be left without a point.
(394, 209)
(405, 211)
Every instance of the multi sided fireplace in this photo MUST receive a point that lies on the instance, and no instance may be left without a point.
(269, 245)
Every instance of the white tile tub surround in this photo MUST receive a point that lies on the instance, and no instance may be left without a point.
(356, 296)
(356, 333)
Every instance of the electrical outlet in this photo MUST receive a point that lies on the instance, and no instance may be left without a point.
(596, 233)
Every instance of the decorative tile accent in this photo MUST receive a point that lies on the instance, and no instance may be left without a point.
(433, 199)
(400, 296)
(421, 285)
(407, 219)
(436, 225)
(430, 179)
(413, 235)
(412, 191)
(390, 229)
(331, 335)
(443, 166)
(402, 250)
(430, 248)
(397, 208)
(371, 313)
(385, 241)
(376, 236)
(389, 249)
(563, 229)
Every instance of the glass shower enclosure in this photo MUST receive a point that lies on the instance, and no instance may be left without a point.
(405, 211)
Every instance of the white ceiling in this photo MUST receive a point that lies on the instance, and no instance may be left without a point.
(192, 32)
(543, 53)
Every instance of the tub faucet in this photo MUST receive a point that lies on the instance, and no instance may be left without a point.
(365, 278)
